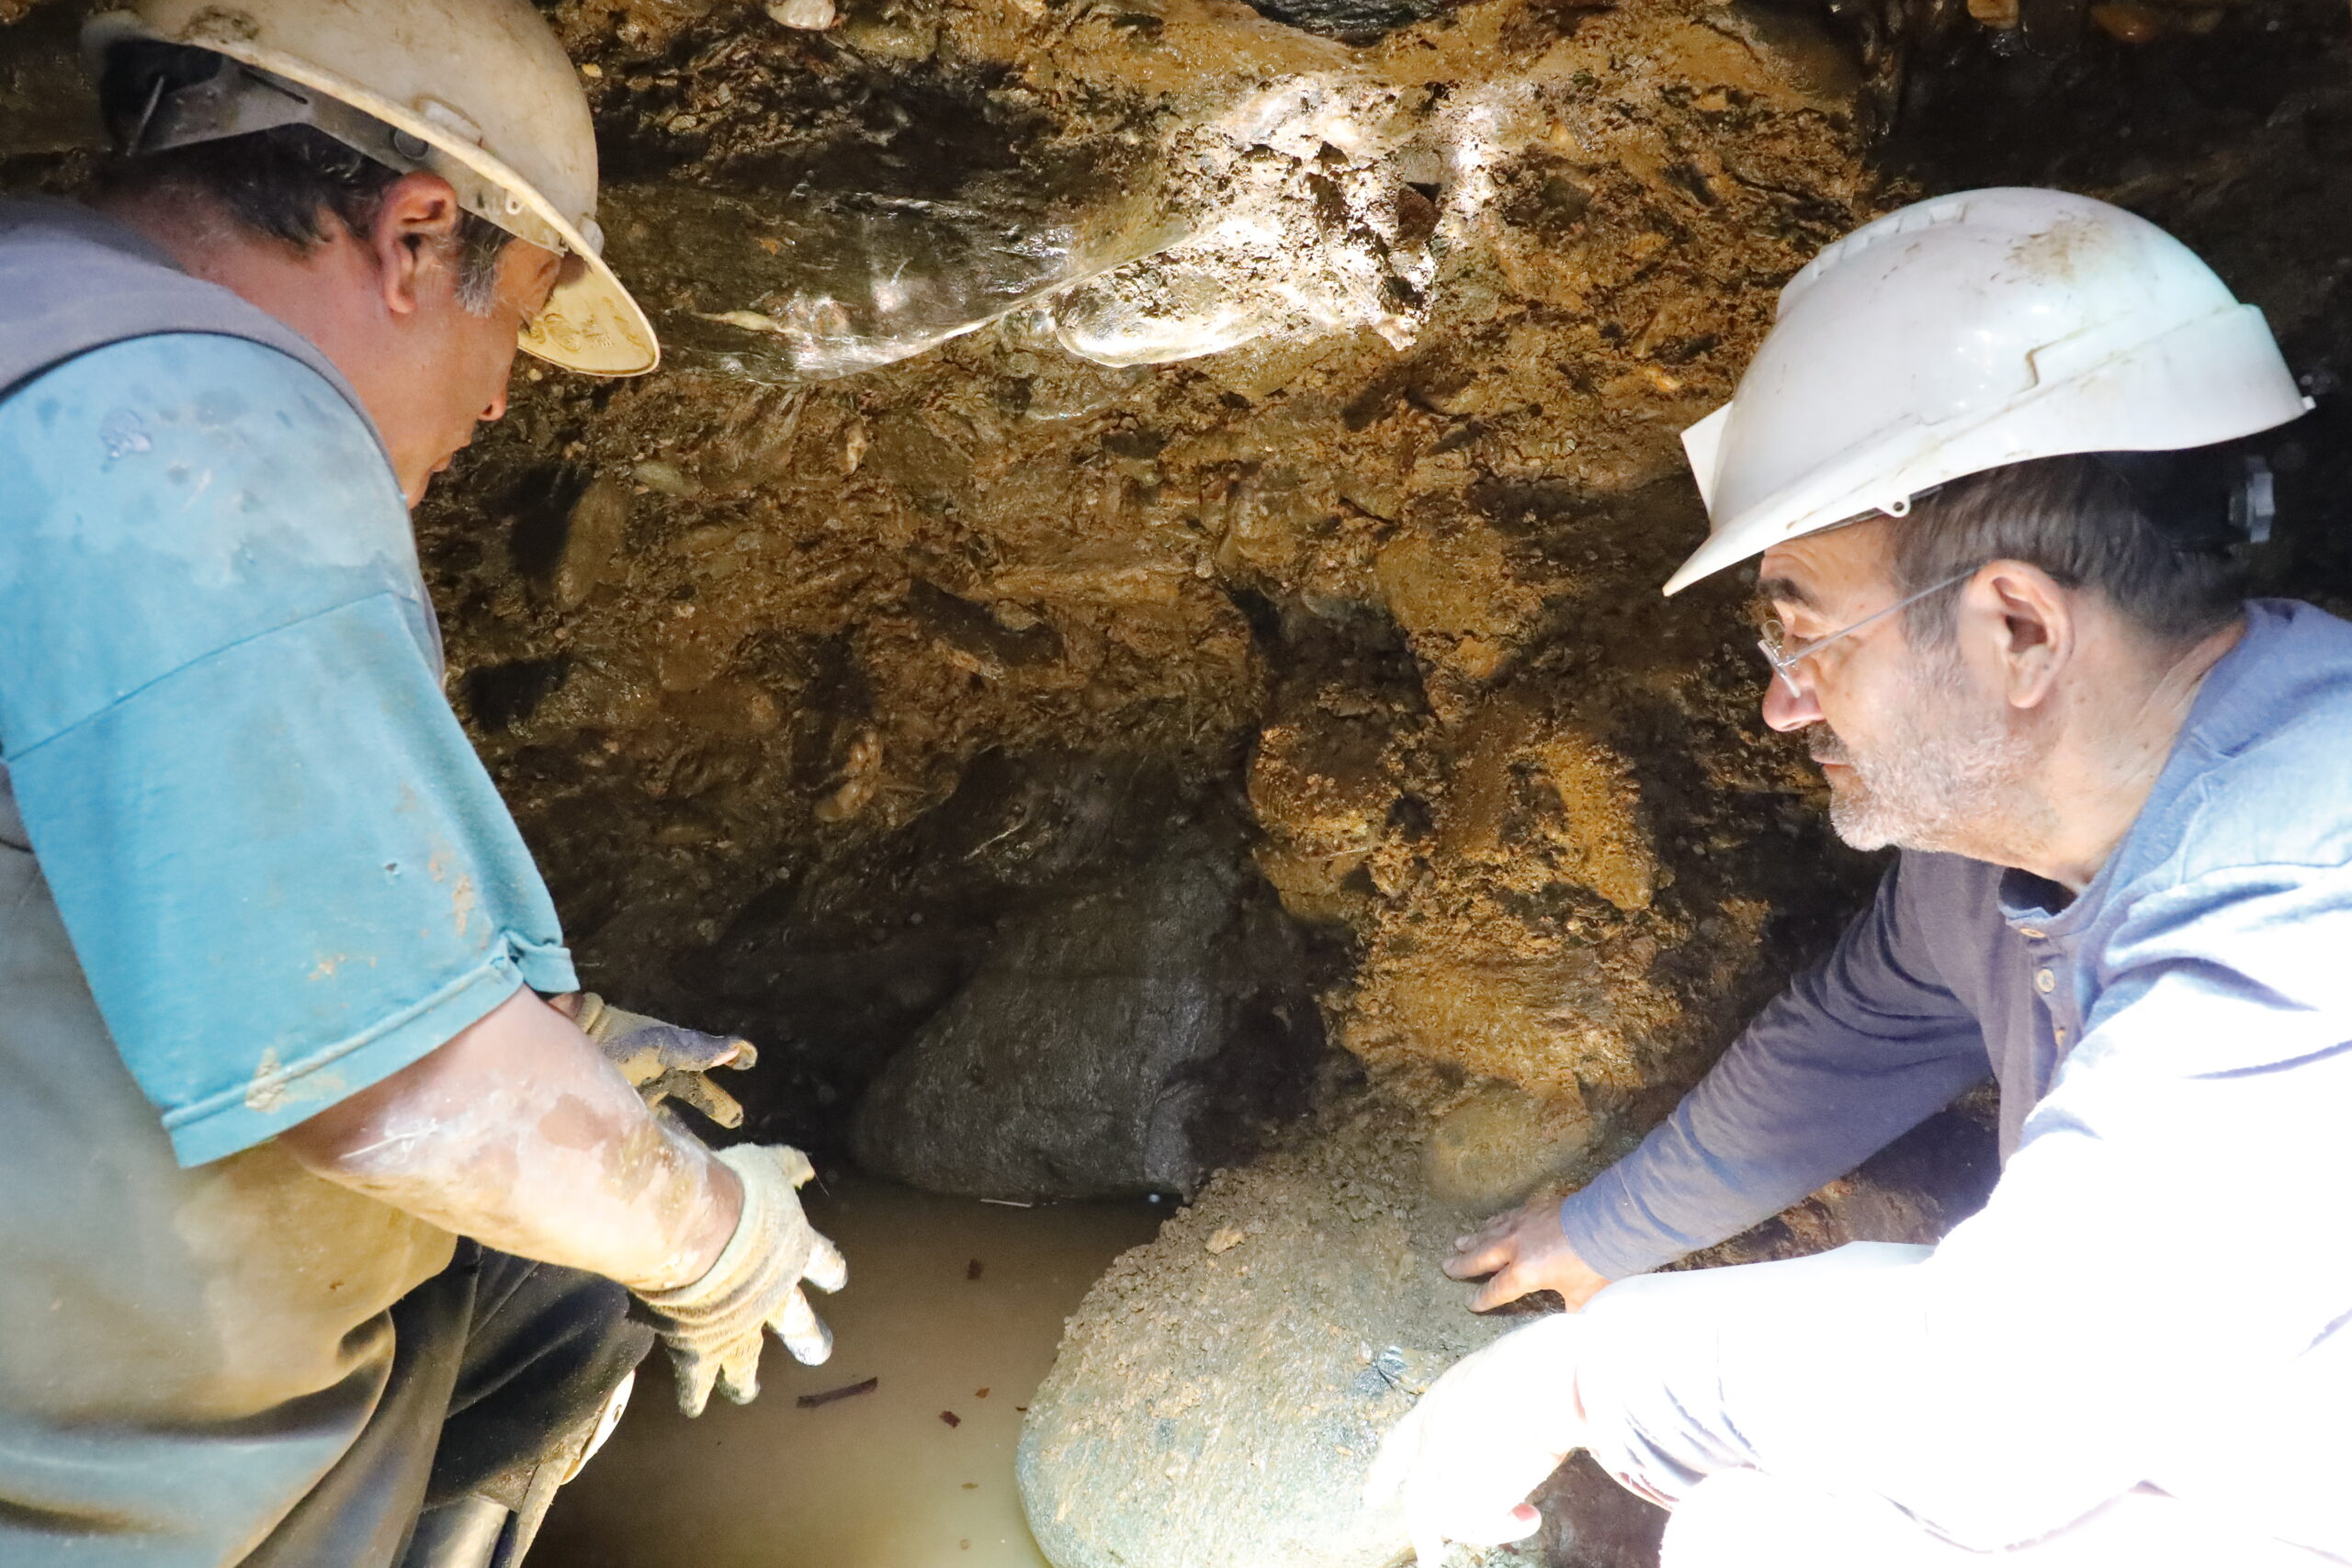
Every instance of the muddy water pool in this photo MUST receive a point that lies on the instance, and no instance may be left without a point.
(948, 1297)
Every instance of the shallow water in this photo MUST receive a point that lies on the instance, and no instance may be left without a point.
(877, 1480)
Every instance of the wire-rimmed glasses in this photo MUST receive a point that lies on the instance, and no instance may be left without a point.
(1774, 644)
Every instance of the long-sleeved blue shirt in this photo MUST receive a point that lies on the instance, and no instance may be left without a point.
(2156, 1292)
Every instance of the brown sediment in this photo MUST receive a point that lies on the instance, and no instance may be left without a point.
(722, 637)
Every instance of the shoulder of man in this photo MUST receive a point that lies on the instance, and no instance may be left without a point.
(173, 495)
(2257, 777)
(72, 279)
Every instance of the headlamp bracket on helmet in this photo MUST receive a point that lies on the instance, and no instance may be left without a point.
(238, 99)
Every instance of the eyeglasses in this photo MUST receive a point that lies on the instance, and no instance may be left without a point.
(1774, 645)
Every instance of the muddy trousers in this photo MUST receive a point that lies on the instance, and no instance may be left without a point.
(1744, 1518)
(495, 1361)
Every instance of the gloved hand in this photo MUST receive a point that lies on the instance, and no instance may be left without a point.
(662, 1060)
(713, 1326)
(1464, 1460)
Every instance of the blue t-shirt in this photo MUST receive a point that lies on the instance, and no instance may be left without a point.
(283, 869)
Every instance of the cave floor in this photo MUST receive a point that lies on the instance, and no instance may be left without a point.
(956, 1307)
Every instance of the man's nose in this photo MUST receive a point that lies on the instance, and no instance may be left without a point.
(495, 409)
(1789, 707)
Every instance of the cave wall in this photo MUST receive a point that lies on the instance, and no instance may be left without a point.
(730, 645)
(805, 684)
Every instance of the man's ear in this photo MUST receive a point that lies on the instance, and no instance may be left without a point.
(2017, 614)
(414, 239)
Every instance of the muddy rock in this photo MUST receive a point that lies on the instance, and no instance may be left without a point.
(1219, 1395)
(1128, 1038)
(1222, 1391)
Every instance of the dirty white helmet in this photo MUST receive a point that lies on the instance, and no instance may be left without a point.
(1969, 332)
(477, 91)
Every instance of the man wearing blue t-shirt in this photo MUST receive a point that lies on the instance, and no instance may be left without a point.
(284, 1010)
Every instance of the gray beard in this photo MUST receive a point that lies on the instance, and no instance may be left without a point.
(1923, 787)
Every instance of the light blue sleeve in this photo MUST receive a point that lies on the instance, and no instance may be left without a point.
(2157, 1292)
(285, 871)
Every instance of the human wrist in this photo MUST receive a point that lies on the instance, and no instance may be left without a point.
(712, 1218)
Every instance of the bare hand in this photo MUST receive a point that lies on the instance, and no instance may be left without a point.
(1525, 1250)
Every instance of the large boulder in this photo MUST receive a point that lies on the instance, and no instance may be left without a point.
(1128, 1036)
(1221, 1392)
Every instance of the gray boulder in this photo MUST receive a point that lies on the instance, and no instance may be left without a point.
(1128, 1036)
(1220, 1393)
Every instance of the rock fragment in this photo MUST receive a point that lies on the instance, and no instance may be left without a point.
(1122, 1039)
(809, 15)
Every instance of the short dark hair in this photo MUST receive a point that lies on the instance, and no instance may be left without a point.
(283, 182)
(2148, 531)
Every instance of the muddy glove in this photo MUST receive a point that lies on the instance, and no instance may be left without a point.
(713, 1326)
(662, 1060)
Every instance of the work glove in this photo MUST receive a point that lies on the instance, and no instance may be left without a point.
(713, 1326)
(1465, 1460)
(665, 1061)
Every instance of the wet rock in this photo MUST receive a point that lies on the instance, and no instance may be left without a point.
(1127, 1038)
(1220, 1393)
(813, 16)
(595, 532)
(1217, 1406)
(1309, 232)
(835, 283)
(1501, 1144)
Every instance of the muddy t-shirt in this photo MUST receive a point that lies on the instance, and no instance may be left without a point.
(252, 867)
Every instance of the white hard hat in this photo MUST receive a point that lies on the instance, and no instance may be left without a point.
(477, 91)
(1965, 333)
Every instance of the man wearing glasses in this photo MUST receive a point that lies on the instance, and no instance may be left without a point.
(1984, 456)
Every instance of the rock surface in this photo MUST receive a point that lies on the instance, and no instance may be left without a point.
(1221, 1393)
(1128, 1038)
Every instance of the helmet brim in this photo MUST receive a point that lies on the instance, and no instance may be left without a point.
(592, 323)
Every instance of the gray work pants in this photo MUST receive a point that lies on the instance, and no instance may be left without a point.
(494, 1360)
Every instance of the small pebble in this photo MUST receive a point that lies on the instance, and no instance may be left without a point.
(809, 16)
(951, 1417)
(2129, 22)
